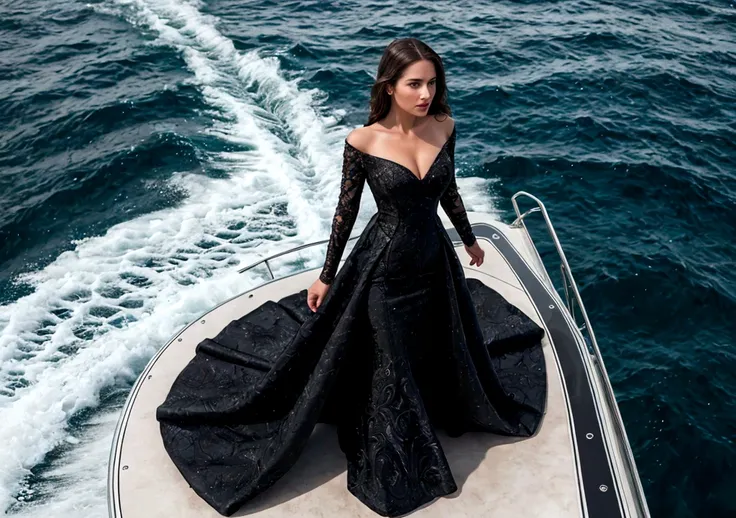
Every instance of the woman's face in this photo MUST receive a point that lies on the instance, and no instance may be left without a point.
(415, 87)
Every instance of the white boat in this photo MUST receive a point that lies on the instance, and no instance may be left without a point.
(578, 464)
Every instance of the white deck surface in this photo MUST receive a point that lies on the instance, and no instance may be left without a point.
(497, 477)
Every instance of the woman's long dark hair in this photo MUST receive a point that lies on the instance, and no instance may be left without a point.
(398, 55)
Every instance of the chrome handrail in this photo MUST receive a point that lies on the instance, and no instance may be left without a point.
(593, 345)
(289, 251)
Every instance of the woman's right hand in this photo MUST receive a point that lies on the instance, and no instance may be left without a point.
(316, 294)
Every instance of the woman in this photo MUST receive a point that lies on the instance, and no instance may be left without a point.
(394, 345)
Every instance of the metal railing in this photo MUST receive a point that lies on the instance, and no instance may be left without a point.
(570, 285)
(286, 252)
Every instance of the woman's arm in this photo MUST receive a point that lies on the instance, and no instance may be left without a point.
(452, 203)
(351, 189)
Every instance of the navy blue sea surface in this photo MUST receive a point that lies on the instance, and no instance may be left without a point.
(150, 147)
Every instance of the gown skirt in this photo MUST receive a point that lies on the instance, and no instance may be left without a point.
(402, 345)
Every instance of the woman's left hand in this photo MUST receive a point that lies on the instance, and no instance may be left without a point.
(476, 253)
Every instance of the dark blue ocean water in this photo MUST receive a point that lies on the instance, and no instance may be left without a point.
(149, 147)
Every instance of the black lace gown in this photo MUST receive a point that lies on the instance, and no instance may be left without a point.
(402, 345)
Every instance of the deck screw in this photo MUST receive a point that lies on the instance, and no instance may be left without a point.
(588, 435)
(551, 306)
(202, 322)
(603, 488)
(125, 467)
(179, 340)
(496, 236)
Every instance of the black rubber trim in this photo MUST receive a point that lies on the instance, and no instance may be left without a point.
(600, 495)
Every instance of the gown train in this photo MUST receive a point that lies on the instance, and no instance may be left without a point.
(403, 344)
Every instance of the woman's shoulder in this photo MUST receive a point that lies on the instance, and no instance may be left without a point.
(363, 137)
(360, 138)
(448, 125)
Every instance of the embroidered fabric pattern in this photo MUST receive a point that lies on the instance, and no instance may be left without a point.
(402, 345)
(351, 189)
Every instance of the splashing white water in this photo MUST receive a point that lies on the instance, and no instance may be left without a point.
(100, 311)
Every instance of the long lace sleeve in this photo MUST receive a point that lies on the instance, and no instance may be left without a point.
(452, 203)
(351, 189)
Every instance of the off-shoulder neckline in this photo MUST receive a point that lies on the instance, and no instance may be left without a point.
(452, 135)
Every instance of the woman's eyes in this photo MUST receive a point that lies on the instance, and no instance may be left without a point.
(415, 83)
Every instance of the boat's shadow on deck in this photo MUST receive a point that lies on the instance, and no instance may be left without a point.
(322, 461)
